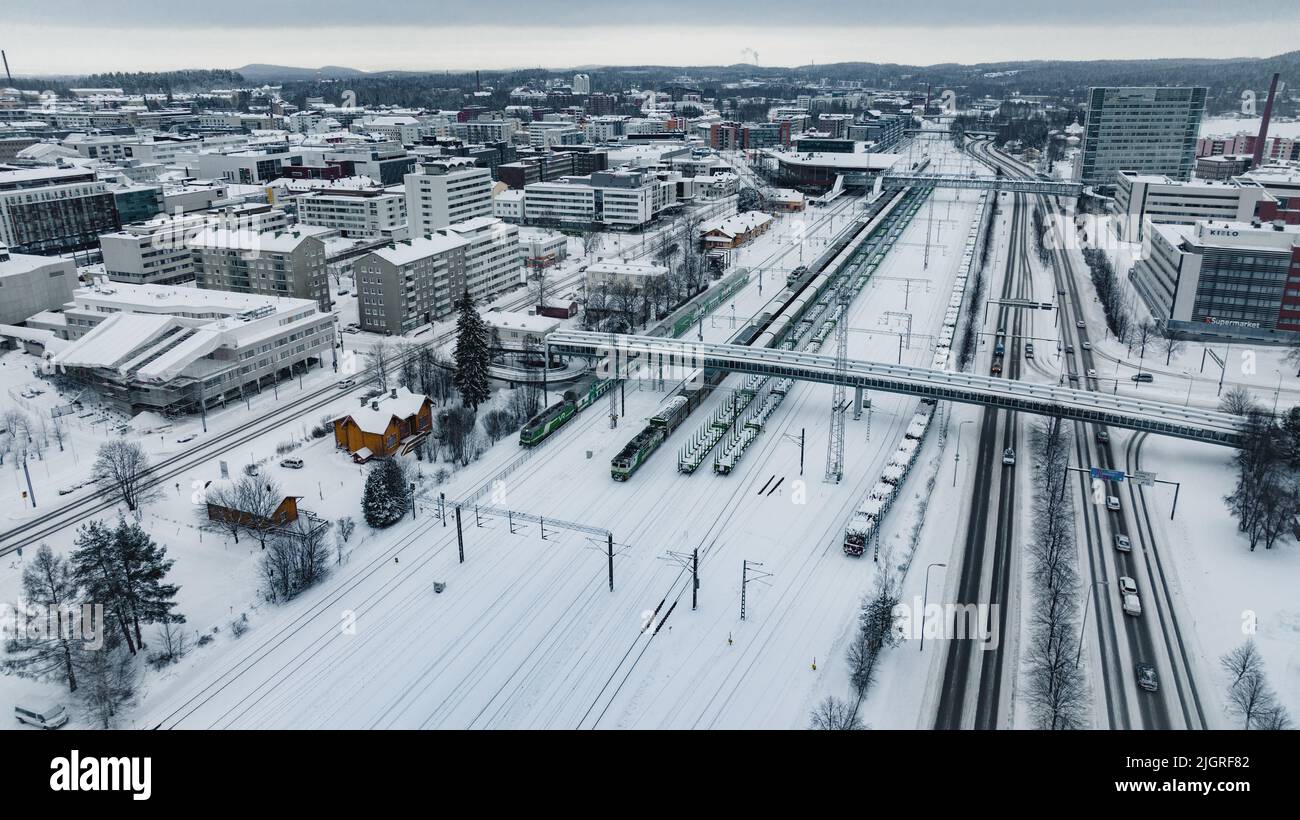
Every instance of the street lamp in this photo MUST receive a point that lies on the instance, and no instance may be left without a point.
(1084, 626)
(1278, 391)
(925, 597)
(956, 456)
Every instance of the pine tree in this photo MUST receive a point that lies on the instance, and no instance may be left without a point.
(95, 567)
(124, 569)
(472, 355)
(387, 495)
(144, 565)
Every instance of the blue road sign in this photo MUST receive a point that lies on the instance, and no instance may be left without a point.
(1108, 475)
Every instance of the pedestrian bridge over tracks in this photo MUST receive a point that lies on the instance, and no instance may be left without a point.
(1161, 418)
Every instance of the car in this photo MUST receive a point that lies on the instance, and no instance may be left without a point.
(343, 291)
(291, 463)
(1080, 324)
(1127, 586)
(351, 329)
(1074, 377)
(1146, 676)
(1122, 543)
(1009, 456)
(347, 384)
(1092, 374)
(1112, 503)
(1086, 345)
(1103, 436)
(69, 489)
(1069, 348)
(1132, 606)
(184, 439)
(1144, 378)
(45, 717)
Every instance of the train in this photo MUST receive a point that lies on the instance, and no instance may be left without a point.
(670, 416)
(806, 288)
(557, 415)
(866, 519)
(864, 526)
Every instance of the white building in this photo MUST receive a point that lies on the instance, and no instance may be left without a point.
(446, 192)
(31, 284)
(509, 205)
(159, 347)
(493, 262)
(519, 331)
(581, 83)
(368, 214)
(617, 199)
(159, 251)
(542, 249)
(1143, 198)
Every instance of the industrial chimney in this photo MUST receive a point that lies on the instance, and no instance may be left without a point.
(1258, 156)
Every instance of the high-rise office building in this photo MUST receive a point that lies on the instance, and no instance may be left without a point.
(1146, 130)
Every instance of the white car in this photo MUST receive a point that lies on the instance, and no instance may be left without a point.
(1081, 324)
(1127, 586)
(45, 717)
(347, 384)
(184, 439)
(1112, 503)
(1086, 345)
(292, 463)
(1092, 374)
(1009, 456)
(1122, 544)
(1132, 606)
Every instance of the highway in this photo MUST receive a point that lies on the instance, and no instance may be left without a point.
(975, 677)
(1120, 640)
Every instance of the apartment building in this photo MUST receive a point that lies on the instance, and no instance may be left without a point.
(367, 214)
(158, 252)
(617, 199)
(415, 282)
(270, 263)
(446, 192)
(54, 210)
(493, 259)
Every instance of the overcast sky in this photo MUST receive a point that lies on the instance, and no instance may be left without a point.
(75, 36)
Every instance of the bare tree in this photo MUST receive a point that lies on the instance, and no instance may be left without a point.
(833, 714)
(120, 469)
(1238, 401)
(219, 510)
(382, 362)
(1242, 661)
(259, 498)
(1251, 698)
(591, 242)
(1169, 343)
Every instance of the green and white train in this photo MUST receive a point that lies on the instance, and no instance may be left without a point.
(557, 415)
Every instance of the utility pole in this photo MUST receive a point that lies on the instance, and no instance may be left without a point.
(745, 579)
(692, 564)
(835, 441)
(460, 536)
(609, 551)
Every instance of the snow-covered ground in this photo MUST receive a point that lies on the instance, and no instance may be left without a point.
(527, 632)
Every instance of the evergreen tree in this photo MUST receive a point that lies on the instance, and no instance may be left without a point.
(387, 495)
(94, 565)
(472, 355)
(144, 566)
(48, 587)
(124, 569)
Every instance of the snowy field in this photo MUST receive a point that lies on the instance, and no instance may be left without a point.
(527, 632)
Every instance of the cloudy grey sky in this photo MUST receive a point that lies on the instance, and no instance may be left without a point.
(73, 36)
